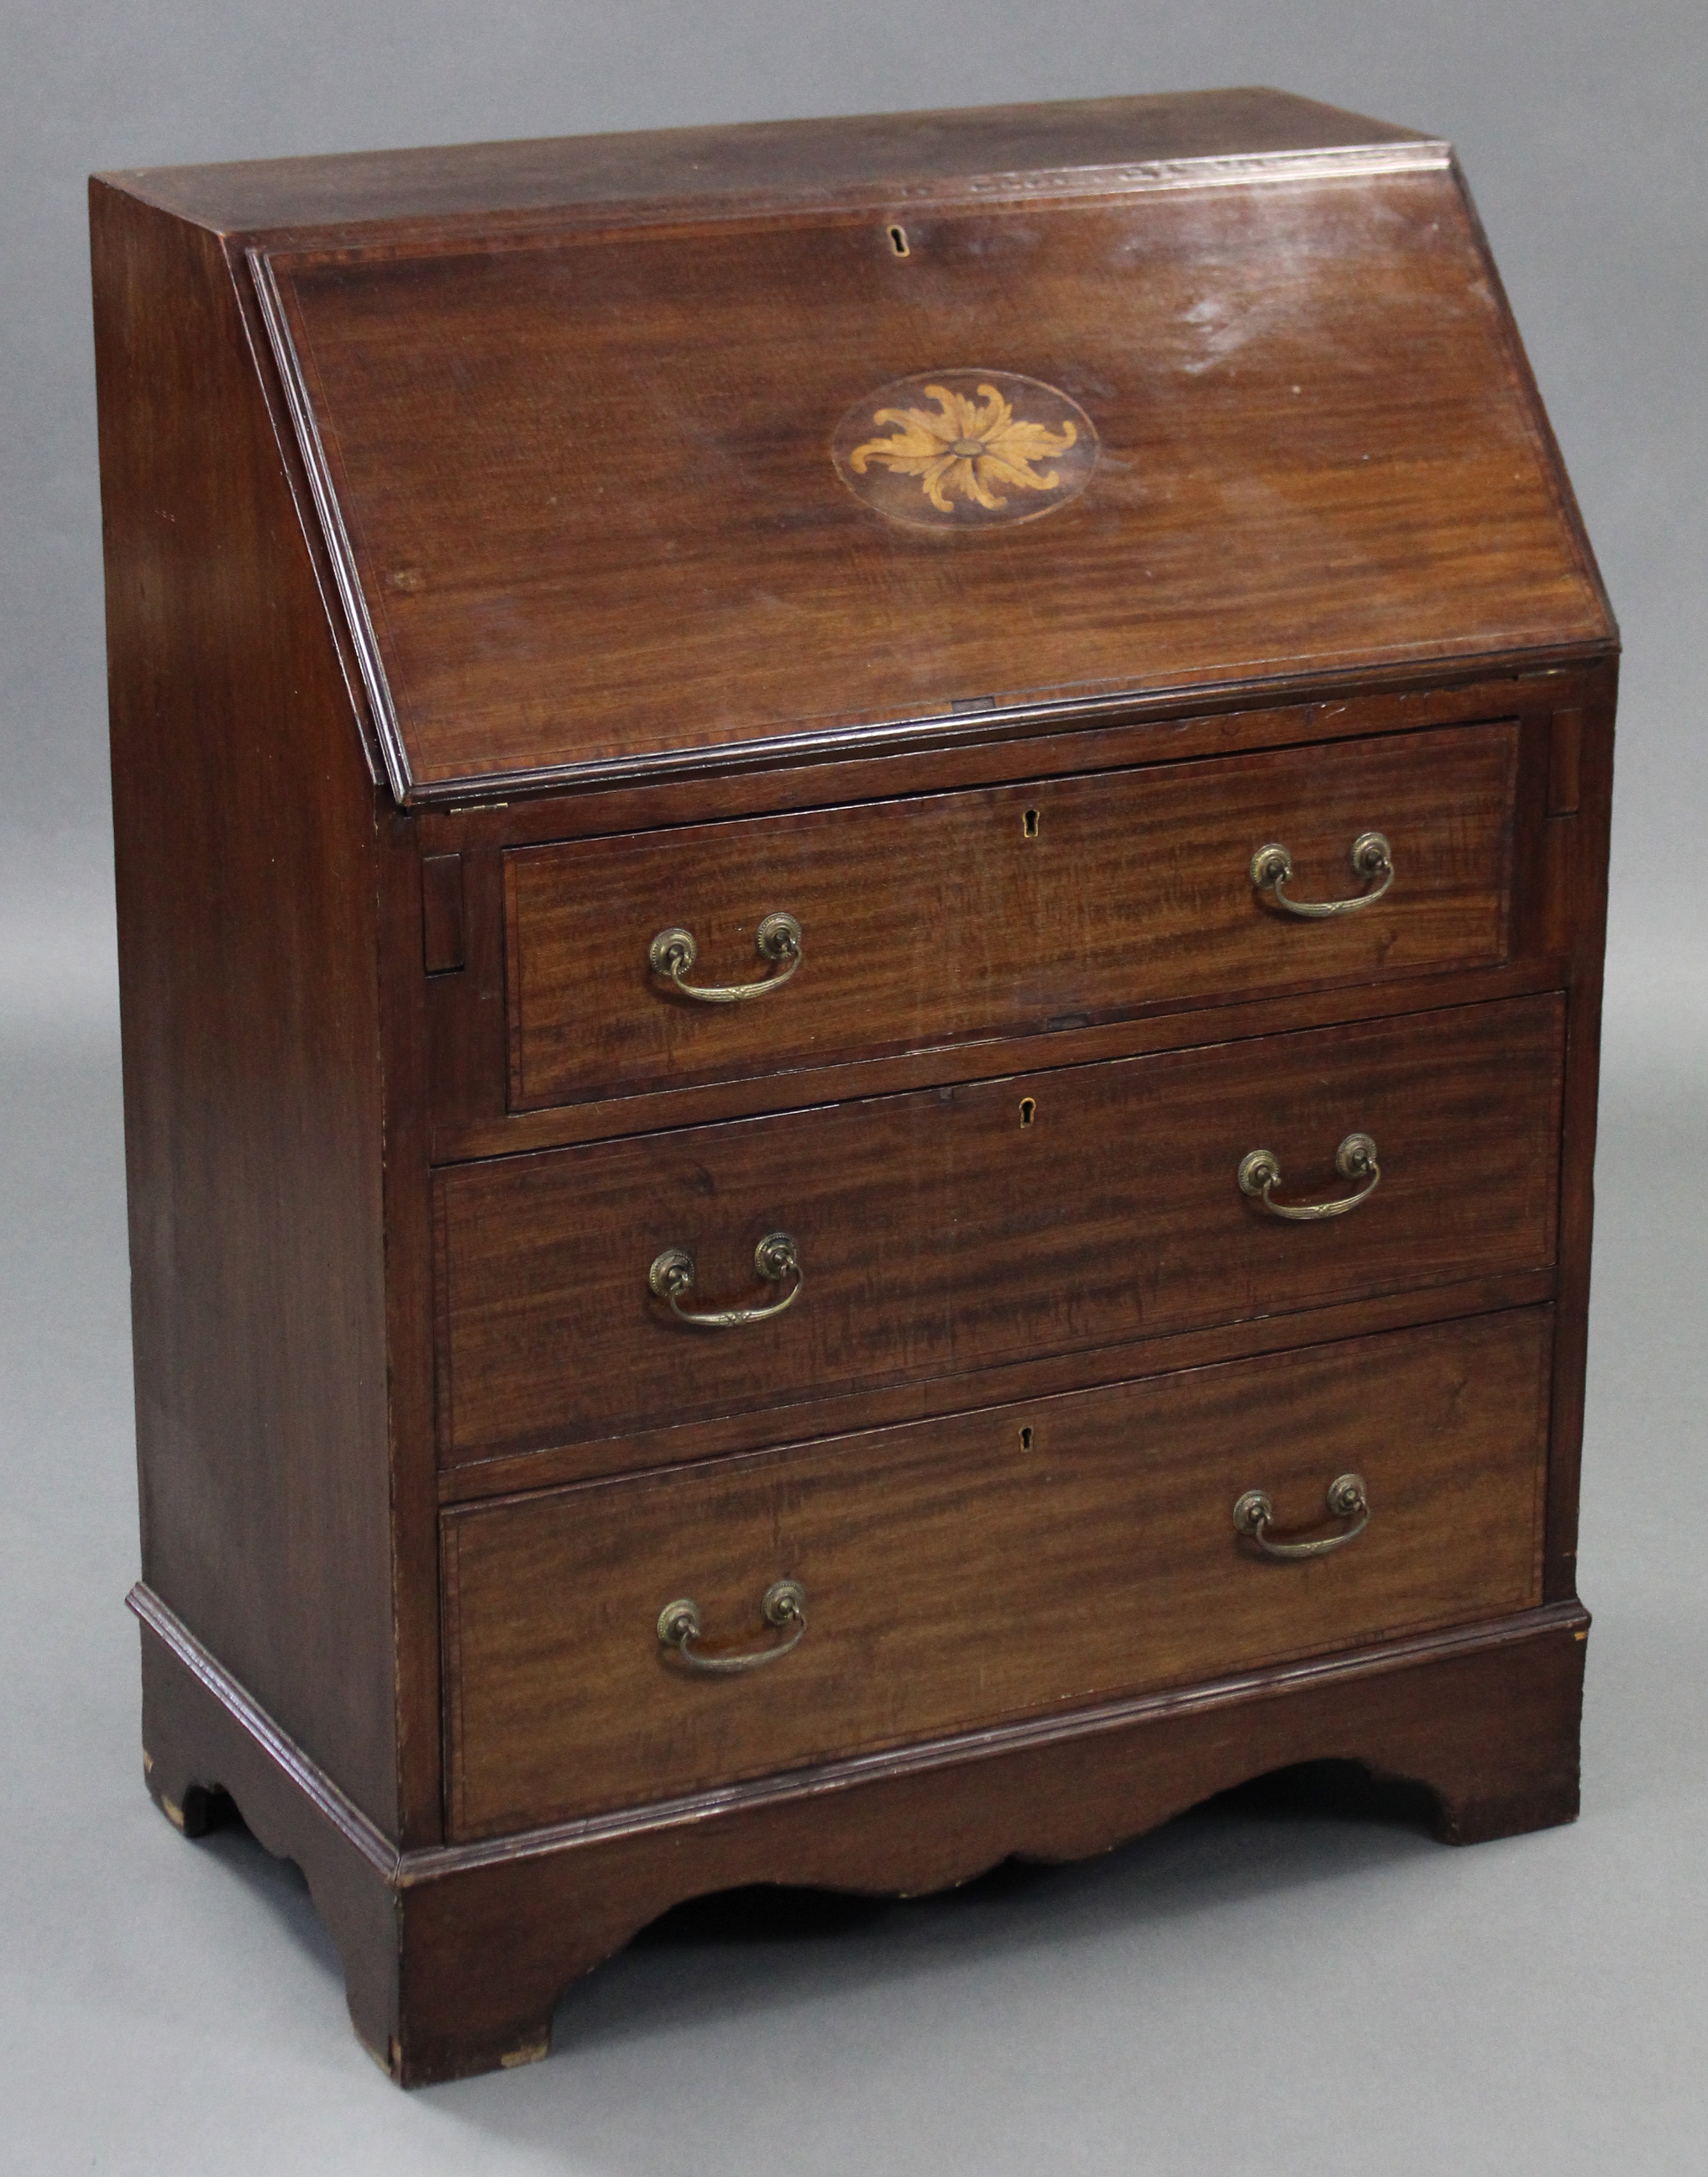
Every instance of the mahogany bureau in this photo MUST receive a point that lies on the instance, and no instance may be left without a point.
(862, 877)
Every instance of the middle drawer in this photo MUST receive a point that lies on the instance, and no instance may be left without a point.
(961, 1227)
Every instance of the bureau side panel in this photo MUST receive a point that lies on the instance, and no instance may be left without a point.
(244, 845)
(1581, 785)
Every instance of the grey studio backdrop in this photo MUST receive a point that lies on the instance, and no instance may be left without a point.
(1270, 1986)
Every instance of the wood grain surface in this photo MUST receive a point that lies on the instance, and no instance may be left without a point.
(580, 487)
(944, 1231)
(1578, 868)
(483, 597)
(907, 153)
(1046, 904)
(963, 1572)
(245, 868)
(454, 1957)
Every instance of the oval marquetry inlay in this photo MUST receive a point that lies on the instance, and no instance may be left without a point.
(965, 449)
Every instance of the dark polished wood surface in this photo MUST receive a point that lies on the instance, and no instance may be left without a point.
(1577, 890)
(1034, 1376)
(472, 1057)
(600, 524)
(962, 1572)
(980, 748)
(947, 1231)
(453, 1958)
(247, 965)
(1048, 903)
(909, 152)
(483, 596)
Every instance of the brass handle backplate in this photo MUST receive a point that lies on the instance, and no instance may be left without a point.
(775, 1258)
(1272, 867)
(784, 1605)
(673, 952)
(1260, 1174)
(1348, 1499)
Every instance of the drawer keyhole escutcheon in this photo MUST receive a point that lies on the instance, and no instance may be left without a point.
(1348, 1499)
(1029, 1109)
(673, 952)
(1028, 824)
(1260, 1174)
(782, 1605)
(777, 1257)
(1272, 866)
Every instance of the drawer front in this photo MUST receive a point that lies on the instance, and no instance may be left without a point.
(1005, 911)
(961, 1227)
(993, 1566)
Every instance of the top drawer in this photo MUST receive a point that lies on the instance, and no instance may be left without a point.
(1004, 911)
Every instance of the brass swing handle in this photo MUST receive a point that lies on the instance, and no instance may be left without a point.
(1260, 1174)
(785, 1604)
(1348, 1499)
(1272, 866)
(775, 1258)
(673, 953)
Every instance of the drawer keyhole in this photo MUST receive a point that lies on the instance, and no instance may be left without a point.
(1029, 1109)
(1025, 1440)
(1030, 823)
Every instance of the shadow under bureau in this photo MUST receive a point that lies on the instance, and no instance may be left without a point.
(861, 874)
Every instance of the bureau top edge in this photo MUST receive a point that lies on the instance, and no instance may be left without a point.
(924, 152)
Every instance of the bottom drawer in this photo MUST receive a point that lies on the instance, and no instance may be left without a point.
(994, 1565)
